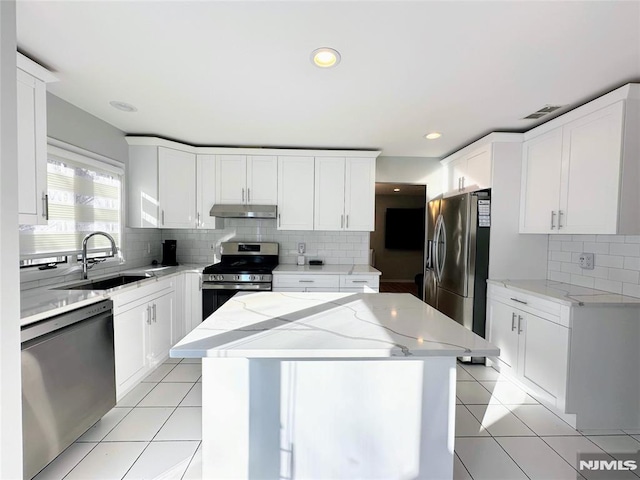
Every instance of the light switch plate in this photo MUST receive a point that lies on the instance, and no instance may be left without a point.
(586, 261)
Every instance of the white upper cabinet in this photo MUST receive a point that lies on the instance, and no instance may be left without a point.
(580, 171)
(176, 188)
(541, 172)
(32, 141)
(262, 180)
(468, 170)
(242, 179)
(295, 193)
(344, 193)
(206, 192)
(329, 193)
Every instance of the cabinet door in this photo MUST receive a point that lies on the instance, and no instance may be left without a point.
(295, 193)
(177, 188)
(193, 301)
(592, 152)
(458, 169)
(162, 315)
(262, 180)
(206, 192)
(329, 211)
(32, 149)
(360, 193)
(544, 354)
(231, 179)
(541, 173)
(503, 331)
(142, 187)
(478, 171)
(129, 328)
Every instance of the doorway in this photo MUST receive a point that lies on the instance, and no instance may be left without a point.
(397, 243)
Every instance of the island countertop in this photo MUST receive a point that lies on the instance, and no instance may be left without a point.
(329, 326)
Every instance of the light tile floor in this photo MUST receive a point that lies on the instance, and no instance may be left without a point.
(501, 433)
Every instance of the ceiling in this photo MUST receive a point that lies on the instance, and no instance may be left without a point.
(239, 73)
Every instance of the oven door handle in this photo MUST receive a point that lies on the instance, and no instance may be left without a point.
(236, 286)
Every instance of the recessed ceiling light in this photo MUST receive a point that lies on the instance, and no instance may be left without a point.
(396, 189)
(432, 135)
(123, 106)
(325, 57)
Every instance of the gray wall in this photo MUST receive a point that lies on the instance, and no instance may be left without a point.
(395, 264)
(70, 124)
(414, 170)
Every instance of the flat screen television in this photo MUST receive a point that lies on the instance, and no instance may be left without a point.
(404, 229)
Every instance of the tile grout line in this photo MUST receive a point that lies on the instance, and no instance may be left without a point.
(455, 454)
(73, 468)
(191, 460)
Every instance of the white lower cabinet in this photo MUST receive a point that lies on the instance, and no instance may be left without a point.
(531, 347)
(192, 304)
(580, 359)
(143, 322)
(310, 282)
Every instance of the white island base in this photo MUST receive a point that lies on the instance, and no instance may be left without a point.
(329, 386)
(272, 419)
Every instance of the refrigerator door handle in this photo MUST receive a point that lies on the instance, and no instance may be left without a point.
(435, 247)
(440, 232)
(429, 254)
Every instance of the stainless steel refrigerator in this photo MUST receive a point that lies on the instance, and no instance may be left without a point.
(457, 262)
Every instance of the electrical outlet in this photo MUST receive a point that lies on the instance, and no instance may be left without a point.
(586, 261)
(301, 248)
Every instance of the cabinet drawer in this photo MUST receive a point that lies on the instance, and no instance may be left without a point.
(547, 309)
(150, 289)
(305, 281)
(348, 281)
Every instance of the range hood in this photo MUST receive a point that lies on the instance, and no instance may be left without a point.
(243, 211)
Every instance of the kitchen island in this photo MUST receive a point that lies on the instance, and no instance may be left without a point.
(329, 385)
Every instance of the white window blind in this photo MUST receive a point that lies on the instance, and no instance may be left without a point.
(83, 198)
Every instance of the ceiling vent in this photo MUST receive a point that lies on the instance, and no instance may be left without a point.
(547, 109)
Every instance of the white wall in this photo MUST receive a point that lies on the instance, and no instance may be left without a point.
(194, 246)
(415, 170)
(10, 379)
(616, 260)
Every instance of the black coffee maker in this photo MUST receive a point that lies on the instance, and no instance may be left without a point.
(169, 251)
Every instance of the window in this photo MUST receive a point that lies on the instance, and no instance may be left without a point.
(84, 196)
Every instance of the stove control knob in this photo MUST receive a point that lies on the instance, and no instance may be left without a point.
(221, 277)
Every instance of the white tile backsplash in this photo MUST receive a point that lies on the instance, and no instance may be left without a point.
(616, 259)
(203, 246)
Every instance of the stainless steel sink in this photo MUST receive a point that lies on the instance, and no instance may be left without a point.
(106, 283)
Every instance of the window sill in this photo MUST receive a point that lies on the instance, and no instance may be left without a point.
(33, 274)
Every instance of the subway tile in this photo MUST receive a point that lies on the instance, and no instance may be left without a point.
(582, 281)
(608, 261)
(583, 238)
(631, 263)
(560, 256)
(625, 276)
(554, 266)
(608, 285)
(610, 238)
(563, 238)
(631, 289)
(555, 246)
(595, 247)
(572, 246)
(632, 238)
(625, 249)
(559, 277)
(597, 272)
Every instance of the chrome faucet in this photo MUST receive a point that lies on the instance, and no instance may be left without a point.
(85, 260)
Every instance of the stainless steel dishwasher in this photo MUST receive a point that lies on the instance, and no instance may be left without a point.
(68, 380)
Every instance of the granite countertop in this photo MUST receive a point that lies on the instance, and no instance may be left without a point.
(566, 294)
(327, 269)
(329, 325)
(44, 302)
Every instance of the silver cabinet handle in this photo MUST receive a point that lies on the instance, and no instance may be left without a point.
(155, 318)
(45, 206)
(341, 221)
(513, 321)
(248, 195)
(347, 221)
(279, 221)
(519, 324)
(462, 183)
(519, 301)
(149, 314)
(560, 214)
(459, 188)
(553, 218)
(243, 195)
(359, 281)
(163, 216)
(306, 281)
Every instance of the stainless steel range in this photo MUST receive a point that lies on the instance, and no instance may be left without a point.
(243, 267)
